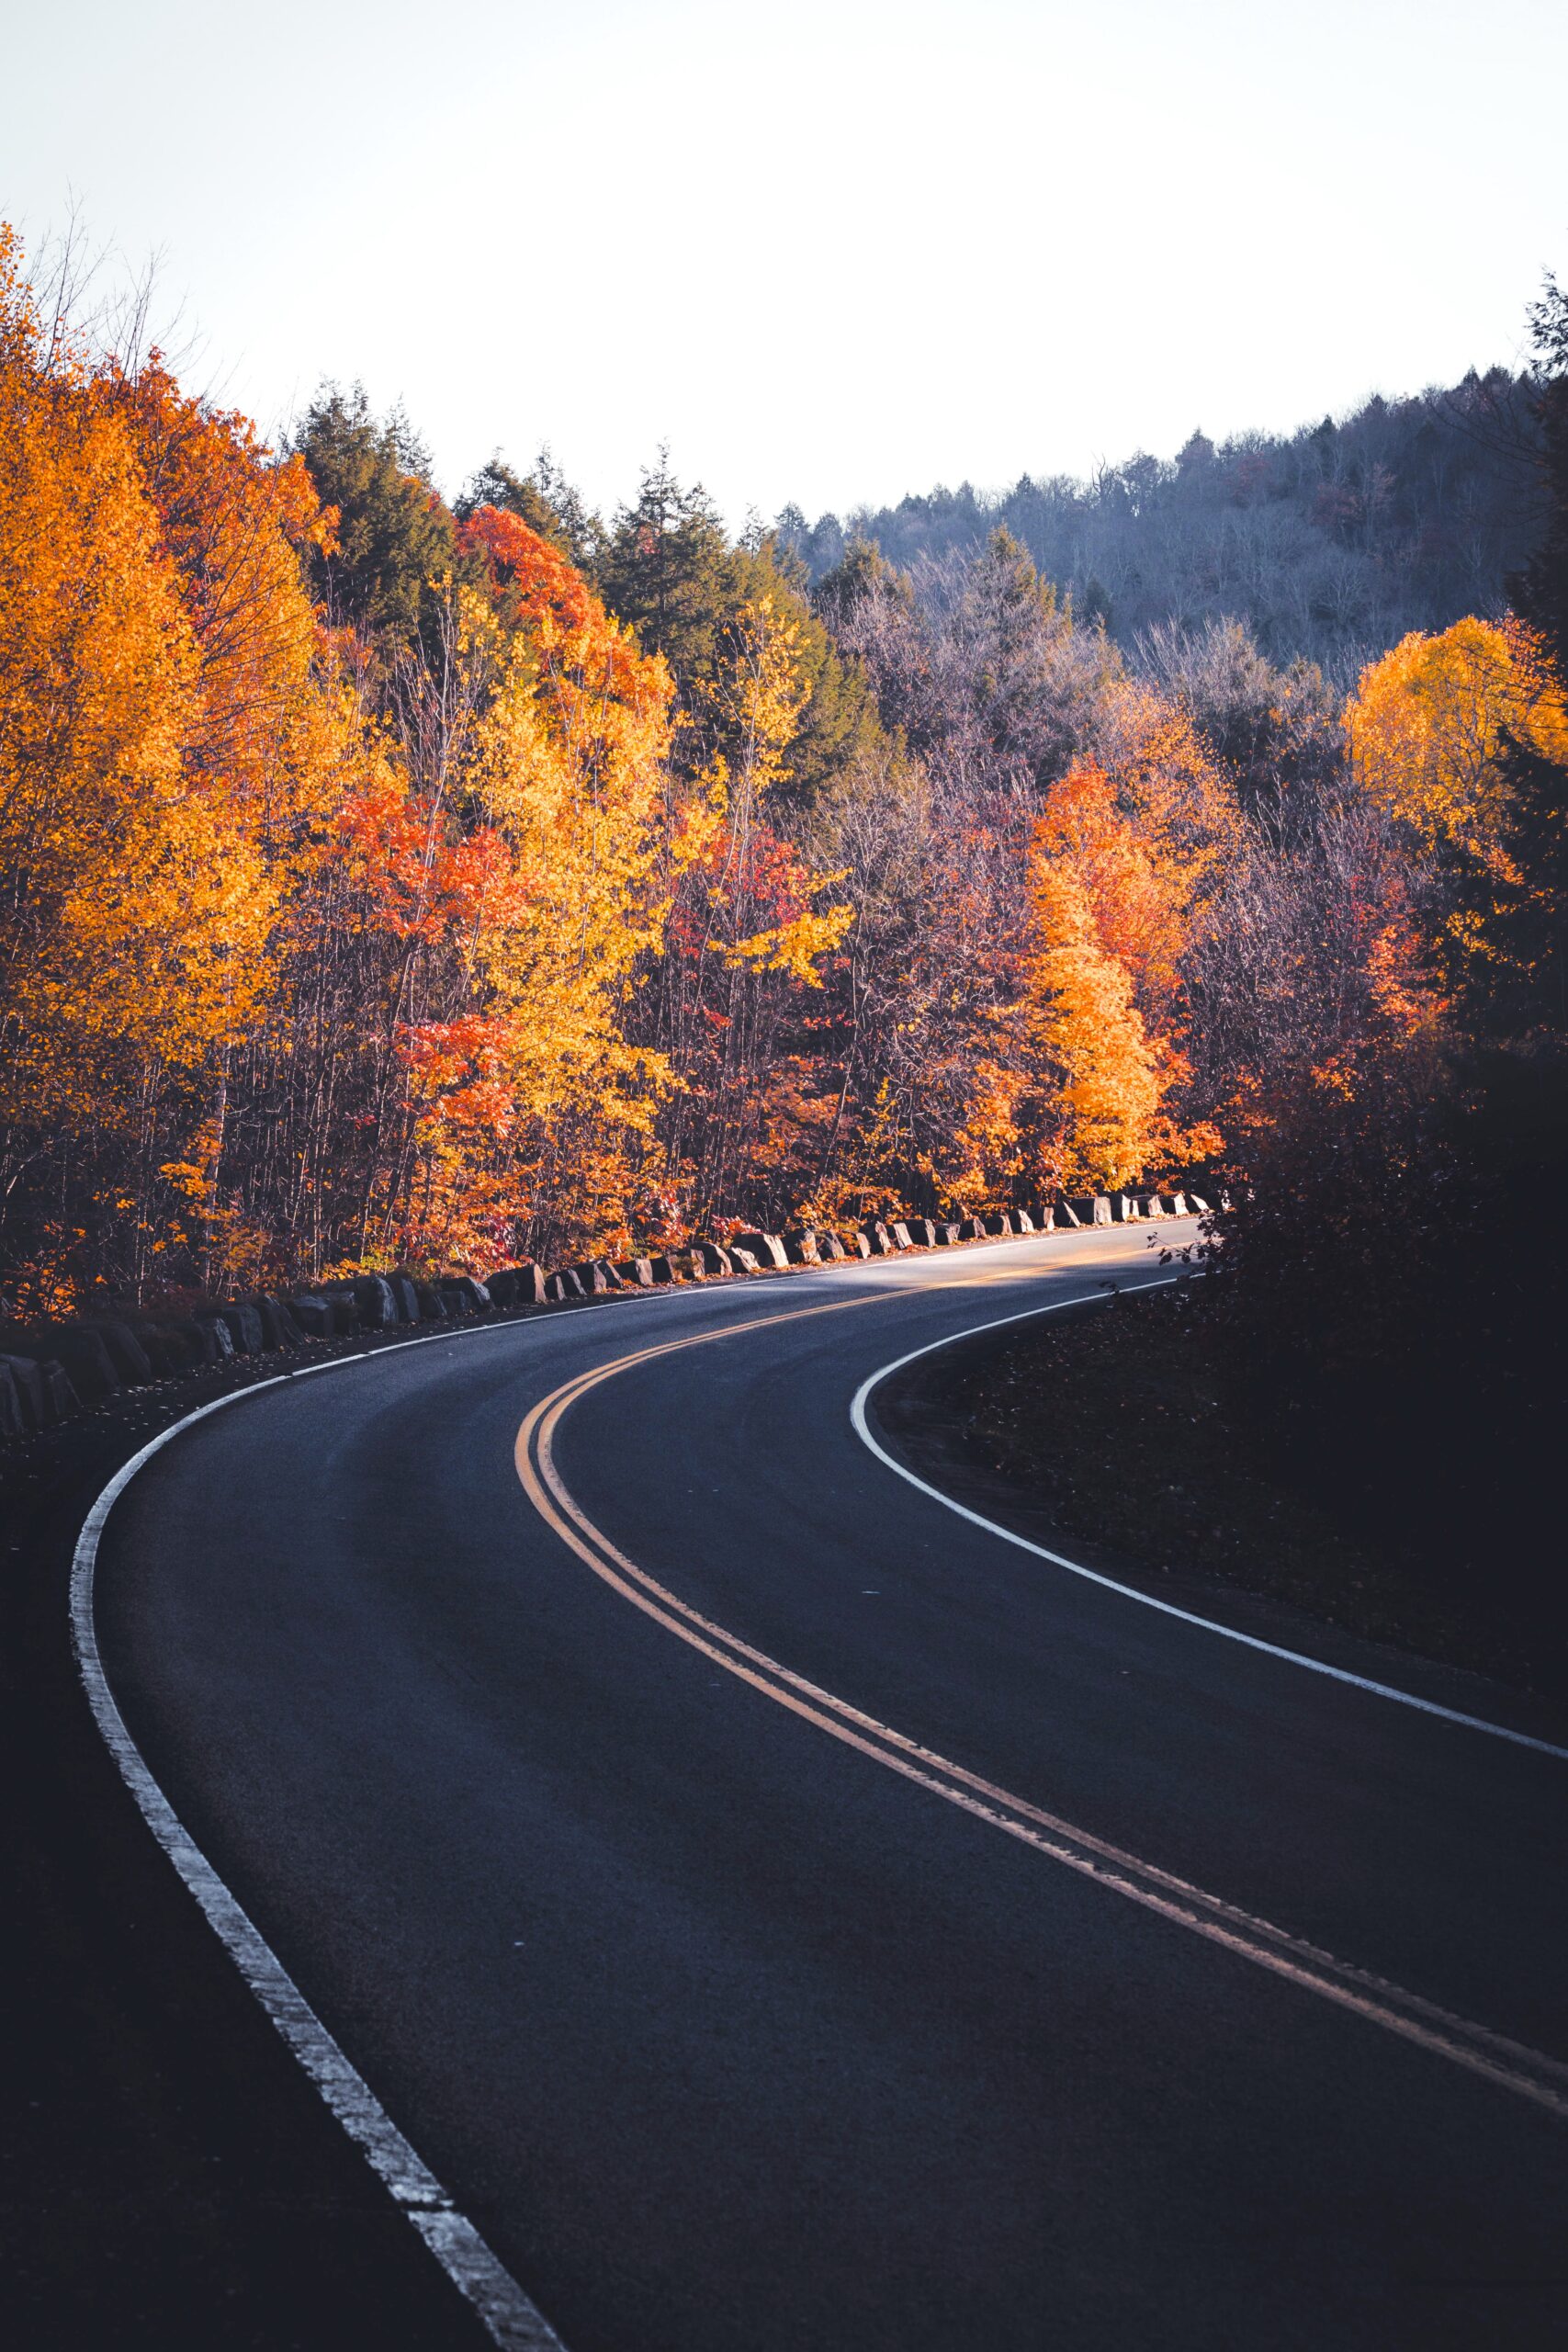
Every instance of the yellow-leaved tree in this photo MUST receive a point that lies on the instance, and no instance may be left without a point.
(537, 879)
(1426, 723)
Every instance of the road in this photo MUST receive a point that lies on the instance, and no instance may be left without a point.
(783, 1914)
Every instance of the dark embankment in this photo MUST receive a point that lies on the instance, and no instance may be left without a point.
(1135, 1435)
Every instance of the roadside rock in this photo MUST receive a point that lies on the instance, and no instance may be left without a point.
(521, 1285)
(173, 1345)
(218, 1335)
(279, 1327)
(245, 1328)
(42, 1389)
(77, 1347)
(376, 1302)
(766, 1247)
(407, 1297)
(27, 1381)
(126, 1351)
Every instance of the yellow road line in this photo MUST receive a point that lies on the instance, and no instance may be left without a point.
(1512, 2065)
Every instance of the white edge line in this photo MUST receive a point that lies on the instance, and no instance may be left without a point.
(1131, 1592)
(512, 2321)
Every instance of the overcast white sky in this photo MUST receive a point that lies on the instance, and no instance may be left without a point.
(829, 252)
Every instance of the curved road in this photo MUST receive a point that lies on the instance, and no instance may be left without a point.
(785, 1914)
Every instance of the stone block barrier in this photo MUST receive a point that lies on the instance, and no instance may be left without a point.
(245, 1328)
(12, 1422)
(766, 1247)
(50, 1371)
(521, 1285)
(376, 1302)
(75, 1350)
(43, 1391)
(279, 1328)
(129, 1358)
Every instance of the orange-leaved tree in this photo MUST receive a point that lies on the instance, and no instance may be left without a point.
(530, 864)
(131, 949)
(1089, 1110)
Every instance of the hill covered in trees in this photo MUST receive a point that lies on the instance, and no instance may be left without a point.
(1328, 544)
(390, 881)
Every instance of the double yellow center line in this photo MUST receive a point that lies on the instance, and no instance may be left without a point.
(1509, 2063)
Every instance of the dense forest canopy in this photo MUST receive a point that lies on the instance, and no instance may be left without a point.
(389, 881)
(1330, 542)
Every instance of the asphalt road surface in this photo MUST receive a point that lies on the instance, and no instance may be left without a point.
(785, 1914)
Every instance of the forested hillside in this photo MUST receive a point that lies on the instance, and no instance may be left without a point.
(387, 880)
(1331, 543)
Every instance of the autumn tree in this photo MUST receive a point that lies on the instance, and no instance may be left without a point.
(533, 879)
(1430, 724)
(542, 498)
(137, 905)
(746, 934)
(1089, 1115)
